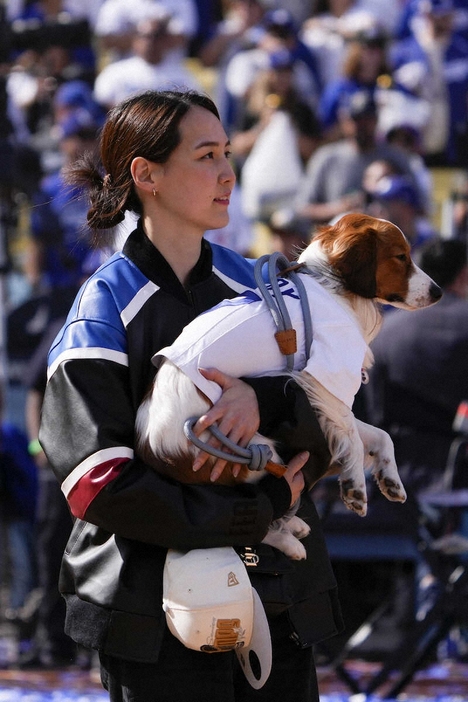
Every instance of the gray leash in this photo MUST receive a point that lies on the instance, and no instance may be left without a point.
(276, 303)
(255, 457)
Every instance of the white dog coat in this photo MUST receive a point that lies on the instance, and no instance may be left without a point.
(237, 337)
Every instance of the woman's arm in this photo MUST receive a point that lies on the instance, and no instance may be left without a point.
(87, 432)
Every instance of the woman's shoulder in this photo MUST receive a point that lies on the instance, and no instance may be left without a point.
(109, 297)
(103, 308)
(117, 279)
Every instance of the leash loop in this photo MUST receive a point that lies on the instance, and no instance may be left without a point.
(255, 456)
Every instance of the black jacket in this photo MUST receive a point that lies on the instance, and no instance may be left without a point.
(126, 514)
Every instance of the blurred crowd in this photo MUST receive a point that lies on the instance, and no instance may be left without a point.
(331, 106)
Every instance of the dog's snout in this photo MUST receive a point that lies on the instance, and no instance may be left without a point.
(435, 292)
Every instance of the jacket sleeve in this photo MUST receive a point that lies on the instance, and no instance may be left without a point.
(87, 434)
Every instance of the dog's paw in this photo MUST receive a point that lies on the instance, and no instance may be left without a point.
(354, 497)
(391, 487)
(296, 551)
(298, 527)
(285, 541)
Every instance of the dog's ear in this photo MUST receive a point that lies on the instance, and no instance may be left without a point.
(355, 260)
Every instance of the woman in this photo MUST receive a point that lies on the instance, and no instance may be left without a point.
(165, 156)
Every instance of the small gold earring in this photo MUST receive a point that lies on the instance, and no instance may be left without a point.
(154, 192)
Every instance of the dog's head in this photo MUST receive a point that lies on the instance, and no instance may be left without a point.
(370, 257)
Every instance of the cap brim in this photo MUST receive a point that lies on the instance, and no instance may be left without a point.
(255, 659)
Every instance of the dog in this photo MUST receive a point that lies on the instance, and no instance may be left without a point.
(349, 270)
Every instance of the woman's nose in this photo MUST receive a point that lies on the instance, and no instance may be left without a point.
(227, 174)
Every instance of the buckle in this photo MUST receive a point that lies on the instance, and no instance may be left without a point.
(249, 557)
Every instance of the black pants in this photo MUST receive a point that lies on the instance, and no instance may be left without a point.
(183, 675)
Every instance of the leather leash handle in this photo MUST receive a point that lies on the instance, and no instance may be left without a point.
(276, 469)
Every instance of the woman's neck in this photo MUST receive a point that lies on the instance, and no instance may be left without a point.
(180, 250)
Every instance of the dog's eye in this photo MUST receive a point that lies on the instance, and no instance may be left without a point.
(402, 257)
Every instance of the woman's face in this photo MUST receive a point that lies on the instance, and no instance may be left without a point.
(197, 180)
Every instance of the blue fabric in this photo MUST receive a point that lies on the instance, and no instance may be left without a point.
(58, 222)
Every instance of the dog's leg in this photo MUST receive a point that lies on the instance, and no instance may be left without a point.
(340, 430)
(352, 476)
(379, 453)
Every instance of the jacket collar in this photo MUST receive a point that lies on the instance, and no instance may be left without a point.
(139, 249)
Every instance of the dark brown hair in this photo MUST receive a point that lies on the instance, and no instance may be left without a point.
(146, 125)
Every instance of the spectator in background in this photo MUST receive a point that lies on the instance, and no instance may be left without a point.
(363, 67)
(60, 245)
(57, 51)
(411, 10)
(335, 23)
(395, 197)
(278, 34)
(274, 89)
(237, 31)
(75, 95)
(20, 166)
(407, 137)
(209, 13)
(432, 62)
(117, 19)
(151, 67)
(333, 179)
(277, 136)
(420, 373)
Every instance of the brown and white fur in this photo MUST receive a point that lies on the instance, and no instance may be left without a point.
(364, 262)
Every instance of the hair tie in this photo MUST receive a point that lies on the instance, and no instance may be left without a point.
(106, 181)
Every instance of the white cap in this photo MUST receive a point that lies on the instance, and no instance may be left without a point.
(211, 606)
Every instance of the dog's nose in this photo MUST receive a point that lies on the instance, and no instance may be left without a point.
(435, 292)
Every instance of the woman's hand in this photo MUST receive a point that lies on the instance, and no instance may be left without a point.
(236, 414)
(294, 475)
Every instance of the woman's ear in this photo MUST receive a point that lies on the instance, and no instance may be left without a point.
(145, 174)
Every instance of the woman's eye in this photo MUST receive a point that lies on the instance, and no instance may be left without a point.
(228, 154)
(209, 155)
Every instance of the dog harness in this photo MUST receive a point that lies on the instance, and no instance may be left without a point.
(235, 337)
